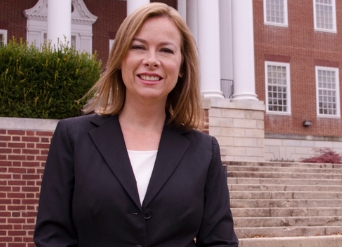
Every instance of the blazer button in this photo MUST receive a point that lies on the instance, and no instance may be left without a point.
(147, 214)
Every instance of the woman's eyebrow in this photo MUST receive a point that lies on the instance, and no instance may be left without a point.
(161, 43)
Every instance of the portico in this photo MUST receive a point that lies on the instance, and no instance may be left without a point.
(223, 31)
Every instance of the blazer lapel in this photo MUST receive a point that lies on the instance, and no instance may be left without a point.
(171, 149)
(108, 139)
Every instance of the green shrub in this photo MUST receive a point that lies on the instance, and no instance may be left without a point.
(45, 82)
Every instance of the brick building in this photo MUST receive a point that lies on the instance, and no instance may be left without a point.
(283, 57)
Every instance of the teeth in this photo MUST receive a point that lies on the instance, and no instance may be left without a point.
(149, 78)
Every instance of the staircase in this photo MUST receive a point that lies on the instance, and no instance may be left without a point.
(286, 204)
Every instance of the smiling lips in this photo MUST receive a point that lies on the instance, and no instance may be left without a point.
(150, 78)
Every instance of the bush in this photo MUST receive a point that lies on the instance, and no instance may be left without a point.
(46, 82)
(324, 155)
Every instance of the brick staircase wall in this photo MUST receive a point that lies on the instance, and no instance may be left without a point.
(22, 159)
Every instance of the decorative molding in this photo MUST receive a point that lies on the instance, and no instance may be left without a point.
(81, 24)
(37, 12)
(80, 15)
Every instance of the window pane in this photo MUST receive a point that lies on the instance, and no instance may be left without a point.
(275, 11)
(327, 94)
(324, 14)
(277, 88)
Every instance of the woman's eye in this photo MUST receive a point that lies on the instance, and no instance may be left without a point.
(137, 47)
(167, 50)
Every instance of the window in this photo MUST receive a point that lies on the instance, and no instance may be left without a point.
(111, 43)
(277, 77)
(327, 87)
(275, 12)
(3, 37)
(325, 15)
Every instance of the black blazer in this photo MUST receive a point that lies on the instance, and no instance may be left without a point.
(89, 195)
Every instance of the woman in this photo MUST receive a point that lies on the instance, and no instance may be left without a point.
(137, 173)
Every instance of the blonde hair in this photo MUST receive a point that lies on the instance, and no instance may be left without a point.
(183, 105)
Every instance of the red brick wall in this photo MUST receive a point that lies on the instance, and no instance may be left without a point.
(12, 17)
(22, 159)
(304, 48)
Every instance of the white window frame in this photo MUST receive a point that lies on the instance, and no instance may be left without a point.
(111, 43)
(288, 88)
(285, 24)
(337, 90)
(4, 33)
(334, 28)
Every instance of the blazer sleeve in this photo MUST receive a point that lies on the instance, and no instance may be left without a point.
(54, 225)
(217, 227)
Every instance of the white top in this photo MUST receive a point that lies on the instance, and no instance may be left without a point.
(142, 163)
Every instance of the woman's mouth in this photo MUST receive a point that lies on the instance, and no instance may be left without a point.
(150, 78)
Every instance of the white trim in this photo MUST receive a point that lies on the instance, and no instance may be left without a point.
(334, 28)
(288, 88)
(4, 33)
(285, 24)
(111, 43)
(9, 123)
(337, 90)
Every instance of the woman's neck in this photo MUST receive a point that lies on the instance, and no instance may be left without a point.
(143, 115)
(142, 126)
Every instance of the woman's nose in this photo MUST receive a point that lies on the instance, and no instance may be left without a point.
(151, 60)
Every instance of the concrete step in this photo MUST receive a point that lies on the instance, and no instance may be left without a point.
(284, 169)
(269, 232)
(276, 200)
(288, 203)
(286, 212)
(320, 241)
(276, 187)
(247, 174)
(288, 221)
(283, 164)
(284, 181)
(283, 195)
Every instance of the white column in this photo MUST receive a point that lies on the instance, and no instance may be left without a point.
(181, 7)
(243, 50)
(209, 48)
(226, 39)
(59, 21)
(134, 4)
(192, 17)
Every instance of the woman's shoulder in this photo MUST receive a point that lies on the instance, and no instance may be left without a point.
(87, 119)
(84, 123)
(200, 137)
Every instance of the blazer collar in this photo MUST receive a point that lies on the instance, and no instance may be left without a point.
(108, 139)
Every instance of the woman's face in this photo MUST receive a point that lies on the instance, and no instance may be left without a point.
(151, 67)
